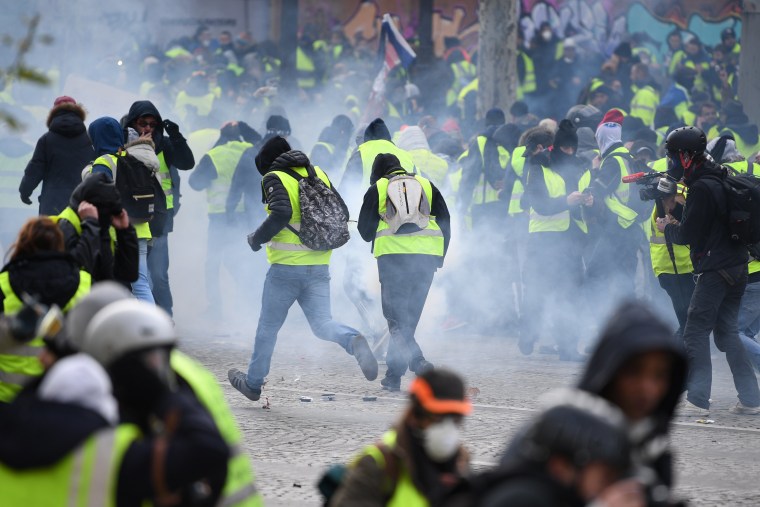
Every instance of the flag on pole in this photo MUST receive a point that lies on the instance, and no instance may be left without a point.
(392, 52)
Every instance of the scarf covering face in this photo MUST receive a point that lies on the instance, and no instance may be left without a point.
(608, 134)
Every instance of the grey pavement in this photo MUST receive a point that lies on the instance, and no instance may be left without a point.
(293, 442)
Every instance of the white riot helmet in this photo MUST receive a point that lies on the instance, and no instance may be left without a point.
(127, 326)
(101, 295)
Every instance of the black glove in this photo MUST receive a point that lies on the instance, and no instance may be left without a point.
(171, 128)
(26, 200)
(23, 325)
(254, 246)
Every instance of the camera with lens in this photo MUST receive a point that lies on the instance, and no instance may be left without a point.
(656, 186)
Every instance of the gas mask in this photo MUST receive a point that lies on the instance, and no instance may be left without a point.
(441, 440)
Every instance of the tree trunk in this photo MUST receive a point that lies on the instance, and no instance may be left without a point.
(497, 54)
(749, 68)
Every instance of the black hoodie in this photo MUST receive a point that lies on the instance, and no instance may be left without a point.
(58, 160)
(631, 331)
(53, 277)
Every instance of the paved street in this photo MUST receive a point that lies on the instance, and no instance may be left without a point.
(293, 442)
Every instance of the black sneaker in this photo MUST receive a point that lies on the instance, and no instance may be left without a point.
(364, 357)
(422, 366)
(391, 383)
(237, 379)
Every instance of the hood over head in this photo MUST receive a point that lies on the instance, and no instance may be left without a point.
(99, 190)
(106, 135)
(412, 138)
(268, 153)
(632, 330)
(385, 163)
(377, 130)
(145, 108)
(495, 116)
(507, 136)
(66, 117)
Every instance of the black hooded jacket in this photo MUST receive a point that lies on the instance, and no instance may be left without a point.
(704, 224)
(58, 159)
(53, 277)
(354, 173)
(387, 166)
(635, 330)
(275, 194)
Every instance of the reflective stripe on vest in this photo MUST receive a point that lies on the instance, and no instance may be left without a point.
(239, 488)
(225, 158)
(658, 251)
(618, 200)
(20, 365)
(165, 177)
(306, 69)
(86, 477)
(406, 493)
(428, 241)
(286, 247)
(559, 222)
(371, 149)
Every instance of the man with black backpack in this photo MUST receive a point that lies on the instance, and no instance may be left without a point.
(720, 263)
(306, 220)
(408, 223)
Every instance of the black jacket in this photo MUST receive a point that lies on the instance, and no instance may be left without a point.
(369, 217)
(52, 277)
(704, 225)
(58, 160)
(475, 165)
(277, 198)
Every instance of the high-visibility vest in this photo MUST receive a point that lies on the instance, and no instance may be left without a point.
(406, 493)
(305, 68)
(201, 141)
(676, 61)
(428, 241)
(239, 488)
(286, 247)
(744, 166)
(371, 149)
(141, 229)
(658, 251)
(71, 216)
(559, 222)
(683, 109)
(472, 87)
(203, 104)
(178, 51)
(225, 158)
(747, 150)
(165, 177)
(87, 476)
(618, 200)
(517, 162)
(484, 193)
(20, 365)
(528, 84)
(464, 72)
(644, 104)
(430, 165)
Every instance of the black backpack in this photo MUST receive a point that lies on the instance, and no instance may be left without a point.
(324, 220)
(743, 199)
(140, 191)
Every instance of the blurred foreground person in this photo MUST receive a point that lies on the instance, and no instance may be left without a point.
(297, 273)
(39, 266)
(721, 266)
(639, 365)
(192, 379)
(410, 243)
(58, 158)
(133, 341)
(421, 459)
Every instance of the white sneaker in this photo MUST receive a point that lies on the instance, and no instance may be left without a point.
(741, 409)
(690, 409)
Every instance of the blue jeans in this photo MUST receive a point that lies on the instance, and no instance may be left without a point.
(749, 322)
(284, 285)
(158, 266)
(141, 287)
(715, 307)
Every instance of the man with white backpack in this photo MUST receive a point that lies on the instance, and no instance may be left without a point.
(406, 218)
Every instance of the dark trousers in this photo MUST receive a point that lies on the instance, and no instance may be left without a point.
(405, 281)
(680, 289)
(715, 307)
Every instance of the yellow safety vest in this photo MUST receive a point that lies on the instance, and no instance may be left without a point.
(464, 72)
(239, 488)
(87, 476)
(528, 84)
(744, 166)
(165, 177)
(484, 193)
(430, 165)
(406, 493)
(306, 69)
(559, 222)
(141, 229)
(203, 104)
(225, 158)
(69, 214)
(472, 87)
(675, 61)
(518, 190)
(618, 200)
(20, 365)
(286, 247)
(683, 108)
(428, 241)
(747, 150)
(201, 141)
(658, 251)
(371, 149)
(644, 104)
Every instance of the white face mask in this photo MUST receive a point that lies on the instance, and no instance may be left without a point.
(441, 440)
(546, 35)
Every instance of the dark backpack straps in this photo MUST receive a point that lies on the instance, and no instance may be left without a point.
(290, 172)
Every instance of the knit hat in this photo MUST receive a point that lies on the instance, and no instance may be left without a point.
(495, 117)
(63, 99)
(610, 130)
(269, 153)
(566, 135)
(278, 124)
(614, 115)
(519, 108)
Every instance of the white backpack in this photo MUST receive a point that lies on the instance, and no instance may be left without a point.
(406, 203)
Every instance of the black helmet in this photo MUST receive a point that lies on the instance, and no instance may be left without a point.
(686, 139)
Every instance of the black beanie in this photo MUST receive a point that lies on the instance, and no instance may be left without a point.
(278, 124)
(495, 117)
(269, 153)
(566, 135)
(519, 108)
(377, 130)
